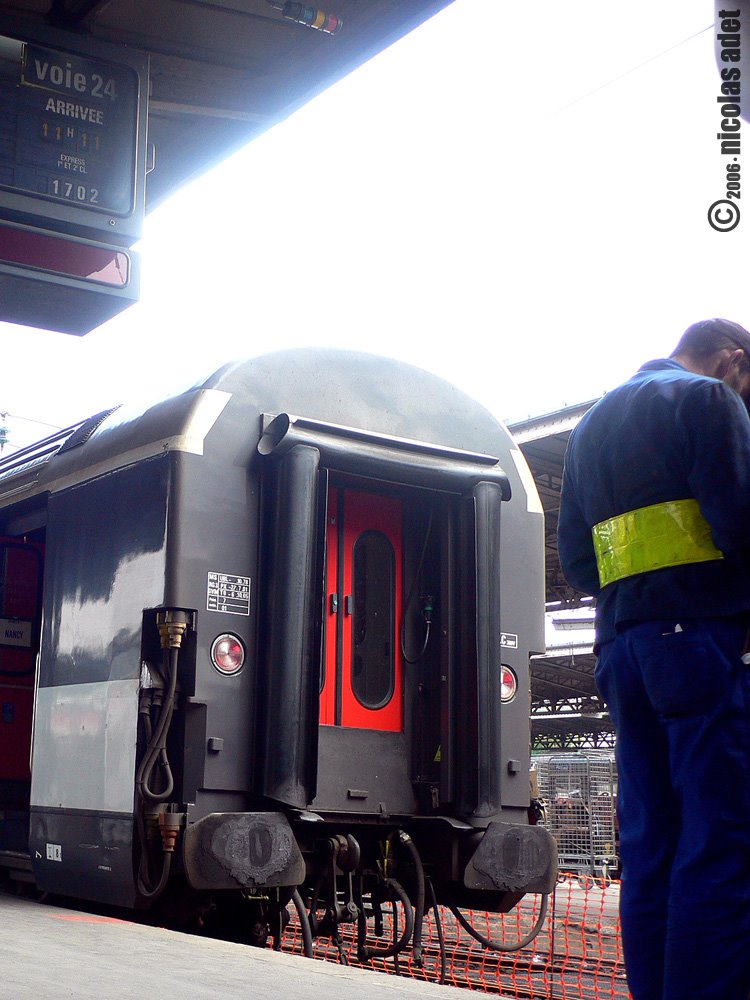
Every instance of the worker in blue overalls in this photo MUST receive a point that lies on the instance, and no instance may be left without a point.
(655, 522)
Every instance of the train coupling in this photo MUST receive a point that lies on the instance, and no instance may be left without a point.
(513, 858)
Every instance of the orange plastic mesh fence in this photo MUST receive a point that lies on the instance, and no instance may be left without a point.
(576, 956)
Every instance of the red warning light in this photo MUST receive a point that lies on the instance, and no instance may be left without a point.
(227, 654)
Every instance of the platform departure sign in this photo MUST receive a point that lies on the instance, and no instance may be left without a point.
(67, 127)
(73, 117)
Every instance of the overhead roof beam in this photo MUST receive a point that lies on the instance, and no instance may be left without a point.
(224, 9)
(68, 13)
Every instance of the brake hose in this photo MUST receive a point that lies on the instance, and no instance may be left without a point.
(366, 954)
(439, 931)
(394, 911)
(304, 924)
(497, 945)
(411, 847)
(313, 914)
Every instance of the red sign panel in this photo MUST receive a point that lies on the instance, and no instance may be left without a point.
(67, 257)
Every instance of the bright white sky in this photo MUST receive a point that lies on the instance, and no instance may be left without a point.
(514, 197)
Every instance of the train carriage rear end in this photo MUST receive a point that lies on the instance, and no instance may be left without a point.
(267, 640)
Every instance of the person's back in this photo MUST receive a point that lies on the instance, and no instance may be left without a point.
(662, 436)
(655, 522)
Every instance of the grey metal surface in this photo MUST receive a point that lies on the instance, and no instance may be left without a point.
(50, 953)
(84, 748)
(123, 437)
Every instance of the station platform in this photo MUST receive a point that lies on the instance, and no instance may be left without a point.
(51, 953)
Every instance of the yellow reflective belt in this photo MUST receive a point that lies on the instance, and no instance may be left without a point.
(665, 534)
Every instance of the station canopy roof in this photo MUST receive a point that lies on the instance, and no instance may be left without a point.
(223, 71)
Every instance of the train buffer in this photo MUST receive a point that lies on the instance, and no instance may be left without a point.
(50, 952)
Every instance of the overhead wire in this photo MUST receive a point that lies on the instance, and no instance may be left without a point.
(634, 69)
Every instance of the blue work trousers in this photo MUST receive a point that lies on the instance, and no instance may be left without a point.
(679, 696)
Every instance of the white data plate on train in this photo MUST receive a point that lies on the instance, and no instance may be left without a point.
(228, 593)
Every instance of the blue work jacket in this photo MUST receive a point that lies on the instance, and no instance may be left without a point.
(666, 434)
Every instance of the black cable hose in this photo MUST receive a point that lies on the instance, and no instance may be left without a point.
(423, 650)
(150, 884)
(400, 894)
(159, 887)
(439, 932)
(278, 931)
(304, 924)
(312, 916)
(411, 847)
(156, 749)
(159, 744)
(362, 920)
(407, 603)
(396, 963)
(497, 945)
(156, 740)
(144, 880)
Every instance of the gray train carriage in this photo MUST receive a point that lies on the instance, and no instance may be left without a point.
(272, 634)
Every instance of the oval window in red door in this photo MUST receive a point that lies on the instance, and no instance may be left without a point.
(373, 616)
(371, 675)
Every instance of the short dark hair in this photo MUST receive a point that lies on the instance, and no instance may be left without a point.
(703, 339)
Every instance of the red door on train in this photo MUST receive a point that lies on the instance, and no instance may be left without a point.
(362, 681)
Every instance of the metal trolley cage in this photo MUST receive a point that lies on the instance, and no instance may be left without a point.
(578, 792)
